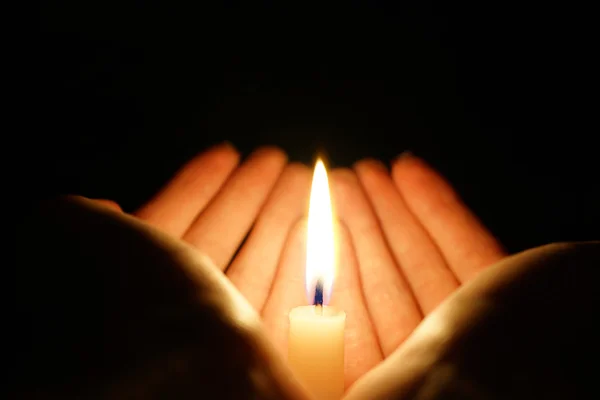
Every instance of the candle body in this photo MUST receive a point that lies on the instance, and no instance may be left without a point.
(316, 350)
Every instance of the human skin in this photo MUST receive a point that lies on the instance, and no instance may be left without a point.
(406, 240)
(109, 307)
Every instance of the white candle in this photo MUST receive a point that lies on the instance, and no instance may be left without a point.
(316, 350)
(316, 337)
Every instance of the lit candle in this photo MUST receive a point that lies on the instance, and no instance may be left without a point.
(316, 338)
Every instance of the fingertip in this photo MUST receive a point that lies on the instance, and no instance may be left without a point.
(372, 174)
(274, 153)
(227, 144)
(421, 185)
(411, 173)
(375, 179)
(236, 205)
(408, 165)
(267, 160)
(221, 157)
(464, 241)
(224, 153)
(406, 160)
(370, 165)
(343, 182)
(405, 155)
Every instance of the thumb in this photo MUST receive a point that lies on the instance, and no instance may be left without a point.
(520, 330)
(110, 308)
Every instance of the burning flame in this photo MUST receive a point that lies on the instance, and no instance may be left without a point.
(320, 250)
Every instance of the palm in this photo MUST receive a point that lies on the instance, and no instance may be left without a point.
(406, 241)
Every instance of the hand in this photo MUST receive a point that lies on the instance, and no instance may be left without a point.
(406, 242)
(523, 329)
(110, 308)
(256, 266)
(212, 201)
(383, 306)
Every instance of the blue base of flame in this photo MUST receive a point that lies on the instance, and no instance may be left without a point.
(319, 293)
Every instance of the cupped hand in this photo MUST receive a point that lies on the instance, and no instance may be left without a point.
(213, 200)
(522, 329)
(108, 307)
(406, 240)
(435, 309)
(406, 243)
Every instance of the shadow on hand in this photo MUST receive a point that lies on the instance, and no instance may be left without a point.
(109, 308)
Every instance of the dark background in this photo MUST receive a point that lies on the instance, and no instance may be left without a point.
(493, 95)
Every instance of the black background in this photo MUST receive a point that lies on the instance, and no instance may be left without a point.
(493, 95)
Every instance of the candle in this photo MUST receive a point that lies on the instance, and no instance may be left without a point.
(316, 336)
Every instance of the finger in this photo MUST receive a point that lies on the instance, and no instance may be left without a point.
(459, 352)
(420, 260)
(113, 205)
(288, 290)
(465, 243)
(176, 206)
(388, 297)
(253, 269)
(221, 227)
(362, 351)
(165, 311)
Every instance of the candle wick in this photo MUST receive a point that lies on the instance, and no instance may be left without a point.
(319, 295)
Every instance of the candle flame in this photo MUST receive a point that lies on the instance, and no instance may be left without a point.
(320, 250)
